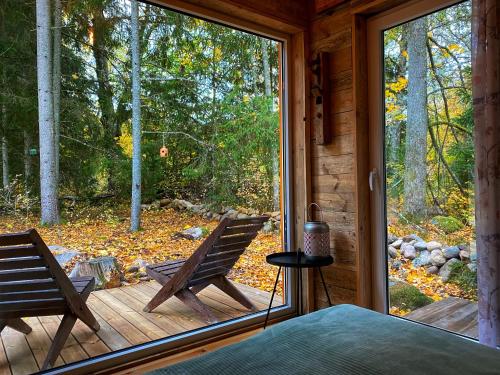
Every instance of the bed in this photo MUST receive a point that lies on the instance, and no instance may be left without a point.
(346, 339)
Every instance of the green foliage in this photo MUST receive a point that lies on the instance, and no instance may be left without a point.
(448, 224)
(466, 279)
(407, 297)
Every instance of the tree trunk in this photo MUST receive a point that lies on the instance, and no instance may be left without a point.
(48, 186)
(275, 157)
(27, 159)
(135, 212)
(416, 127)
(486, 91)
(5, 148)
(56, 82)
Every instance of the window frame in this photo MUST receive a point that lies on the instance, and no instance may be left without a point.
(147, 352)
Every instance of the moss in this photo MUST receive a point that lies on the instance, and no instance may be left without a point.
(448, 224)
(407, 297)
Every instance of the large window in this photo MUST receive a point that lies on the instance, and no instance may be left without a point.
(205, 112)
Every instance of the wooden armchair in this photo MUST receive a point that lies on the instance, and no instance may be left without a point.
(32, 283)
(209, 264)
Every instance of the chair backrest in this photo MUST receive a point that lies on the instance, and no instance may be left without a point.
(228, 241)
(32, 283)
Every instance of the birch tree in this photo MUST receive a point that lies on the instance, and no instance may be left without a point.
(56, 83)
(135, 212)
(48, 185)
(5, 146)
(274, 152)
(416, 127)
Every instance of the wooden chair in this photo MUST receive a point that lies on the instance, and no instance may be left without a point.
(209, 264)
(32, 283)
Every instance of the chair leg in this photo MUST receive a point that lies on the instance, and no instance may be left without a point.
(163, 294)
(190, 299)
(198, 288)
(67, 323)
(18, 325)
(227, 287)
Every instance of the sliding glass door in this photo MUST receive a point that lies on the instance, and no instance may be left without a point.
(425, 156)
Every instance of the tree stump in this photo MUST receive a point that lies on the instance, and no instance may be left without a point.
(105, 270)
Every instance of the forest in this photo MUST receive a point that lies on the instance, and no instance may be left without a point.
(124, 101)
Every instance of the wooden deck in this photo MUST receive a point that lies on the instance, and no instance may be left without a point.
(123, 324)
(453, 314)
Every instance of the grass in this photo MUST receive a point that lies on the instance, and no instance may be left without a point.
(464, 278)
(407, 297)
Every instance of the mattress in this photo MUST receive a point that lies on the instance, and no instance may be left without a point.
(346, 339)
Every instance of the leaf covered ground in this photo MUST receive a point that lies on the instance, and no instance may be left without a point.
(104, 231)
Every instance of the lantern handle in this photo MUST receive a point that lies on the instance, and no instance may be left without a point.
(319, 208)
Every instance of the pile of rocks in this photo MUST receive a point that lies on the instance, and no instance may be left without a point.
(436, 258)
(207, 212)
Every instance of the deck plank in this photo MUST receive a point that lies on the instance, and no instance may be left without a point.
(89, 341)
(4, 363)
(40, 342)
(110, 336)
(19, 355)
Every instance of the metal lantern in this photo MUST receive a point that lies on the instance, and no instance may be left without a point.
(316, 235)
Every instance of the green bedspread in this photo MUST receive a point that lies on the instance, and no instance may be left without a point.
(346, 340)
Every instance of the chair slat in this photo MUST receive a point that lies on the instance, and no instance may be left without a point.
(172, 267)
(58, 309)
(226, 248)
(26, 286)
(250, 220)
(20, 263)
(229, 240)
(225, 255)
(253, 228)
(20, 306)
(13, 239)
(18, 252)
(216, 271)
(30, 295)
(28, 274)
(225, 263)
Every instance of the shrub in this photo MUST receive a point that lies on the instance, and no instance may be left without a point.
(448, 224)
(407, 297)
(464, 278)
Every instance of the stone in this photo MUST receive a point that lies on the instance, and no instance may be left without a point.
(464, 255)
(391, 238)
(105, 270)
(472, 267)
(393, 253)
(412, 242)
(437, 258)
(433, 245)
(445, 271)
(411, 237)
(145, 278)
(133, 269)
(231, 214)
(423, 259)
(165, 202)
(420, 245)
(268, 227)
(193, 233)
(451, 252)
(409, 251)
(63, 255)
(396, 265)
(432, 270)
(241, 216)
(397, 244)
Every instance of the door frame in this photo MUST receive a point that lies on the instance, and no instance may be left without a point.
(376, 25)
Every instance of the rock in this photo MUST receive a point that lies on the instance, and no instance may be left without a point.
(397, 244)
(391, 238)
(433, 245)
(473, 252)
(445, 271)
(165, 202)
(409, 251)
(193, 233)
(133, 269)
(437, 258)
(105, 270)
(432, 270)
(393, 253)
(464, 255)
(217, 217)
(411, 237)
(420, 245)
(463, 246)
(472, 267)
(198, 209)
(396, 265)
(451, 252)
(145, 278)
(62, 254)
(241, 216)
(423, 259)
(275, 214)
(268, 227)
(231, 214)
(412, 242)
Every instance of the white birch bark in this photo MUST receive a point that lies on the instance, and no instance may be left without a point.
(274, 151)
(27, 159)
(416, 127)
(56, 82)
(48, 186)
(135, 212)
(5, 146)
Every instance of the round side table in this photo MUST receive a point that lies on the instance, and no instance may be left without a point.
(298, 260)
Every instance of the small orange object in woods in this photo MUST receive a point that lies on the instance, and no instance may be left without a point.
(163, 152)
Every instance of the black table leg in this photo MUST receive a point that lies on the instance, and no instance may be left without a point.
(324, 286)
(272, 297)
(301, 293)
